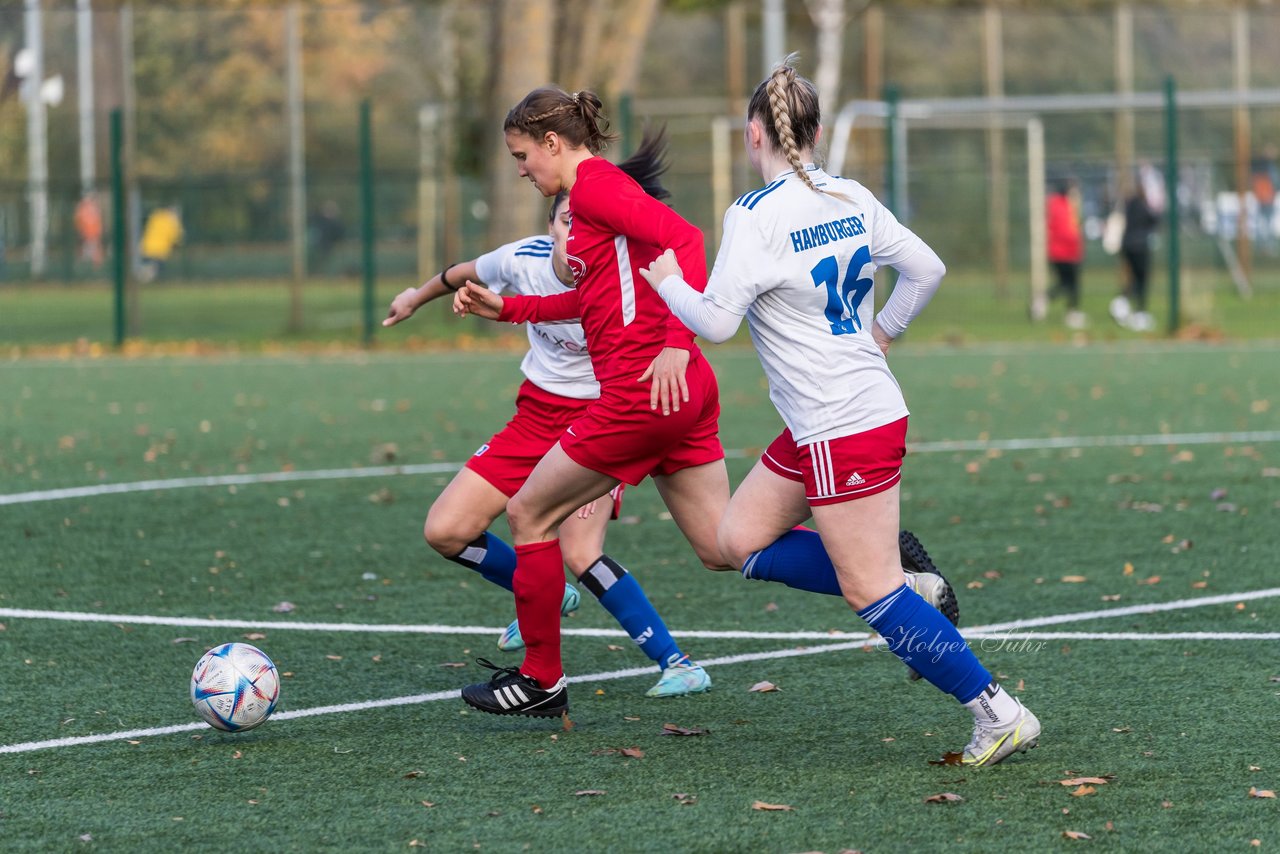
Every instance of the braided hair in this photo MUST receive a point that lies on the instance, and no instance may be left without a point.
(577, 118)
(787, 106)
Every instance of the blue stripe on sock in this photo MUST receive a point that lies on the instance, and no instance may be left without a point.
(918, 634)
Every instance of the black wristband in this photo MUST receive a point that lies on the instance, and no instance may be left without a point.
(444, 279)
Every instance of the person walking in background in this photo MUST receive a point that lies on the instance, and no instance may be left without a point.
(1266, 175)
(1066, 249)
(1140, 221)
(798, 260)
(160, 236)
(88, 222)
(324, 233)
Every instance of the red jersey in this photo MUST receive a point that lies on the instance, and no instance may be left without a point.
(617, 228)
(1065, 243)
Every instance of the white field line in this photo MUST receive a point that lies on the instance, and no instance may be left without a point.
(997, 632)
(436, 629)
(949, 445)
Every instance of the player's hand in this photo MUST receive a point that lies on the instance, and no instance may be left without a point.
(474, 299)
(667, 374)
(402, 307)
(586, 511)
(881, 338)
(664, 265)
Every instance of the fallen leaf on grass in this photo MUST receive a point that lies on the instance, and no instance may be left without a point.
(1122, 729)
(1080, 781)
(412, 774)
(633, 752)
(586, 793)
(1128, 569)
(1261, 793)
(334, 657)
(1075, 834)
(452, 664)
(283, 607)
(949, 758)
(255, 636)
(1073, 579)
(942, 798)
(175, 640)
(684, 799)
(565, 723)
(1081, 791)
(676, 729)
(428, 804)
(237, 754)
(763, 687)
(1154, 579)
(767, 807)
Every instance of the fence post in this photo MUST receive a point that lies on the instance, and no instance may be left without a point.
(366, 217)
(119, 224)
(1171, 195)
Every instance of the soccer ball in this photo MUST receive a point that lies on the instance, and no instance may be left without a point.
(235, 687)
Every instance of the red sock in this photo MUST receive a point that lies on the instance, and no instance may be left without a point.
(539, 587)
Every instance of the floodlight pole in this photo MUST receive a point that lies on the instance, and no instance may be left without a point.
(84, 94)
(37, 140)
(119, 228)
(366, 216)
(1171, 192)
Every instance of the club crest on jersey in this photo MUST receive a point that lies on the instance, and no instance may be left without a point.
(578, 267)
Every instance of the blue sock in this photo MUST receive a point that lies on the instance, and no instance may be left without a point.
(622, 596)
(796, 559)
(917, 633)
(490, 557)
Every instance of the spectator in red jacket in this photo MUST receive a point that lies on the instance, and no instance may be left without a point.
(1066, 249)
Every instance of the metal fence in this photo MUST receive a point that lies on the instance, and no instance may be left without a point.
(213, 127)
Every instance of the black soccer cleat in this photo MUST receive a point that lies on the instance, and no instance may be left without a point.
(915, 560)
(925, 579)
(510, 692)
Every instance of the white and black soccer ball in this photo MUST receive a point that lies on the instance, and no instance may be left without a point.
(235, 687)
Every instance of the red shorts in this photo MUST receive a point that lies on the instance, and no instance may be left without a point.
(620, 436)
(507, 459)
(841, 469)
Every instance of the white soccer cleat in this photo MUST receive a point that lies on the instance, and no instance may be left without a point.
(992, 745)
(681, 677)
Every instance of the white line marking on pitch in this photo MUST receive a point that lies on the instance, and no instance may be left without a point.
(997, 631)
(1032, 444)
(431, 629)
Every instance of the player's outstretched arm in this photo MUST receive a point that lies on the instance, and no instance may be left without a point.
(447, 281)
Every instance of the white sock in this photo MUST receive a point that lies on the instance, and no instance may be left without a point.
(994, 707)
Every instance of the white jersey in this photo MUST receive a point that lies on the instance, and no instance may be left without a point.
(557, 360)
(800, 266)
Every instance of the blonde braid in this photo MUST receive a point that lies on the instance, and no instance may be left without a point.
(779, 88)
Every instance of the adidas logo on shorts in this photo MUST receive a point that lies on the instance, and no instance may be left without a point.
(855, 479)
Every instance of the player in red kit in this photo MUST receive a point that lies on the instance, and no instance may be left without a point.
(658, 406)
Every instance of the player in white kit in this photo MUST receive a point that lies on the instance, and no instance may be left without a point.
(560, 384)
(797, 260)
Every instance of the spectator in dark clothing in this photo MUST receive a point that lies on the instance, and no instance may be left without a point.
(324, 233)
(1140, 223)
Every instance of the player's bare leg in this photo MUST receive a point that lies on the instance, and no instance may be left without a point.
(696, 498)
(763, 508)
